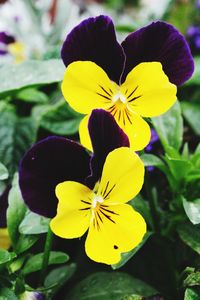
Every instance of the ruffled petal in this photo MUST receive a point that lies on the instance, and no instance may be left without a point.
(161, 42)
(105, 136)
(94, 40)
(47, 163)
(86, 86)
(151, 92)
(74, 210)
(106, 242)
(122, 176)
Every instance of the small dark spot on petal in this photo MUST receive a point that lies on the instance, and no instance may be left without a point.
(116, 247)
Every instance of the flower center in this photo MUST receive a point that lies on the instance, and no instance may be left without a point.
(97, 200)
(119, 97)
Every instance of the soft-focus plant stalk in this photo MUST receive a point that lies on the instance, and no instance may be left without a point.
(47, 249)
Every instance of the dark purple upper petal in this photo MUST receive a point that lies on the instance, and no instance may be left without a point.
(47, 163)
(161, 42)
(94, 39)
(105, 136)
(6, 38)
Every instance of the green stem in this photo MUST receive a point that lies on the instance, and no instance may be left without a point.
(152, 204)
(47, 249)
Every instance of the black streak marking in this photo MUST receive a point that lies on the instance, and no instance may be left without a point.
(105, 189)
(108, 217)
(106, 91)
(110, 211)
(85, 202)
(109, 191)
(135, 98)
(128, 116)
(132, 92)
(103, 96)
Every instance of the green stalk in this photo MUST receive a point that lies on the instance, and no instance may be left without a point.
(47, 249)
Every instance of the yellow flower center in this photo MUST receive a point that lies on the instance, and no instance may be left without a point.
(119, 97)
(97, 200)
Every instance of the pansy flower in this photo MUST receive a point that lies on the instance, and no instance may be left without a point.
(56, 159)
(90, 192)
(9, 45)
(135, 79)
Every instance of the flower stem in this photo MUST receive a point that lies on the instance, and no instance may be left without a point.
(47, 249)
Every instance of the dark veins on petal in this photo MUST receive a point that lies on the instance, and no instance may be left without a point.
(94, 40)
(47, 163)
(161, 42)
(106, 136)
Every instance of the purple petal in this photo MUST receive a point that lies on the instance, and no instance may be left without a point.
(3, 52)
(94, 39)
(6, 38)
(31, 296)
(161, 42)
(47, 163)
(106, 136)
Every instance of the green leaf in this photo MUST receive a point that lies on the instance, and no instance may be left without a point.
(192, 210)
(57, 277)
(7, 294)
(30, 73)
(191, 294)
(35, 262)
(192, 279)
(16, 211)
(170, 127)
(15, 214)
(16, 135)
(109, 286)
(153, 160)
(190, 235)
(191, 112)
(125, 257)
(61, 120)
(196, 75)
(34, 224)
(142, 206)
(3, 172)
(178, 167)
(32, 95)
(5, 256)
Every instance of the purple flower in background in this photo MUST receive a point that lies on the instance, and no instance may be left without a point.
(193, 35)
(5, 40)
(31, 296)
(151, 145)
(198, 4)
(154, 139)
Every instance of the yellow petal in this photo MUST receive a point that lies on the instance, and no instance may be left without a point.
(105, 243)
(137, 129)
(73, 212)
(153, 93)
(84, 133)
(86, 86)
(122, 177)
(5, 242)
